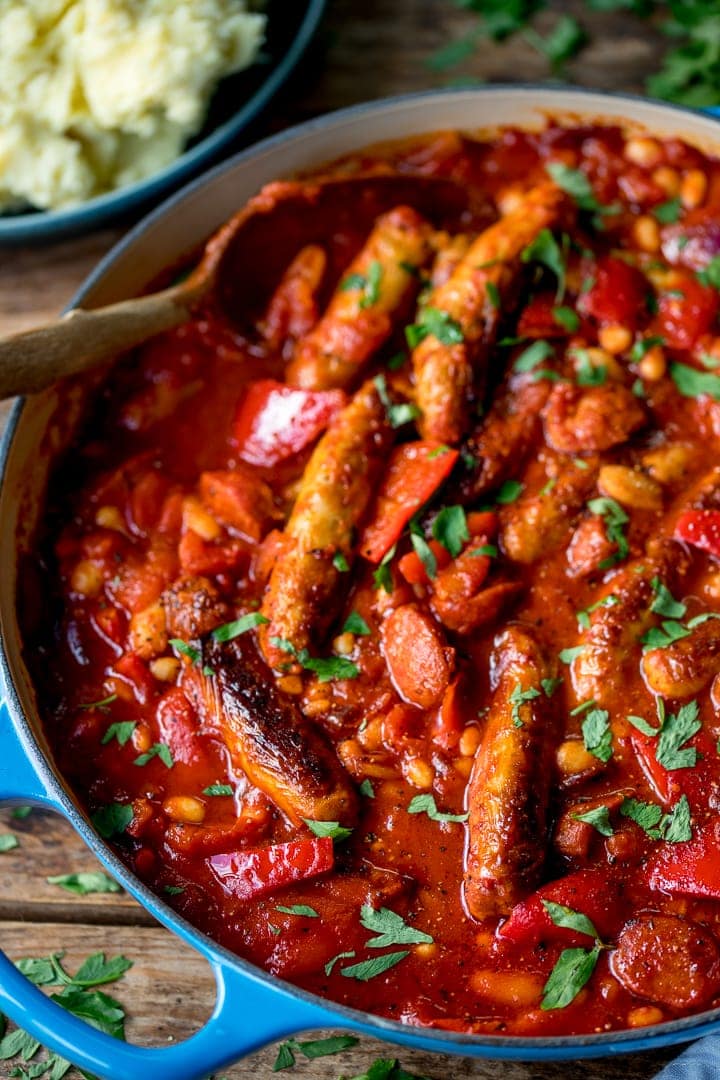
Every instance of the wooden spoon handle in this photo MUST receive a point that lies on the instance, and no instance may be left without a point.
(81, 339)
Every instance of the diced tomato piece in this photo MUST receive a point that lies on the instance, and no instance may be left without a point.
(246, 874)
(111, 624)
(483, 523)
(617, 295)
(414, 473)
(685, 312)
(537, 319)
(701, 528)
(412, 568)
(178, 727)
(274, 421)
(133, 670)
(590, 892)
(240, 499)
(198, 556)
(450, 721)
(147, 501)
(691, 868)
(137, 586)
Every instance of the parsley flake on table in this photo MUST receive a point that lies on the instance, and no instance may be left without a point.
(391, 929)
(8, 842)
(597, 735)
(545, 250)
(436, 323)
(86, 882)
(369, 969)
(311, 1048)
(239, 626)
(450, 529)
(425, 804)
(520, 697)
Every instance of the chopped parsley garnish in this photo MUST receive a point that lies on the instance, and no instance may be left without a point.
(588, 373)
(340, 562)
(355, 624)
(399, 414)
(643, 346)
(298, 909)
(597, 734)
(509, 492)
(422, 549)
(566, 656)
(159, 750)
(583, 707)
(368, 284)
(549, 686)
(333, 829)
(368, 969)
(122, 731)
(425, 804)
(182, 647)
(547, 486)
(340, 956)
(711, 274)
(112, 820)
(572, 970)
(576, 184)
(673, 827)
(367, 789)
(489, 550)
(101, 705)
(599, 818)
(450, 529)
(614, 518)
(85, 882)
(567, 318)
(568, 919)
(437, 323)
(326, 668)
(668, 213)
(218, 789)
(583, 617)
(532, 356)
(174, 890)
(692, 383)
(240, 626)
(493, 295)
(382, 577)
(675, 730)
(664, 603)
(520, 697)
(391, 929)
(659, 637)
(545, 250)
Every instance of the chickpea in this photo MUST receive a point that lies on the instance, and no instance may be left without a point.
(653, 365)
(643, 151)
(196, 518)
(185, 808)
(693, 189)
(142, 738)
(469, 740)
(573, 759)
(148, 631)
(109, 517)
(644, 1015)
(316, 706)
(646, 234)
(165, 668)
(426, 951)
(668, 179)
(629, 487)
(86, 578)
(344, 644)
(668, 463)
(508, 988)
(510, 199)
(418, 772)
(290, 684)
(615, 338)
(371, 735)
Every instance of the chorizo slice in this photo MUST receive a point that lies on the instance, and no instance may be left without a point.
(536, 524)
(682, 669)
(419, 660)
(304, 590)
(610, 645)
(509, 788)
(468, 302)
(359, 318)
(281, 752)
(669, 960)
(583, 419)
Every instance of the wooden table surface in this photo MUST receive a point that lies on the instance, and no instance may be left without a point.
(367, 49)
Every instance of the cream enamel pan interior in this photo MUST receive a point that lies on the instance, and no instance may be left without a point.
(41, 426)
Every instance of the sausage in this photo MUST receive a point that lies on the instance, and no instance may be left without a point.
(444, 372)
(534, 526)
(579, 419)
(292, 310)
(683, 668)
(509, 788)
(610, 645)
(193, 607)
(304, 590)
(669, 960)
(281, 752)
(359, 317)
(450, 251)
(419, 660)
(503, 441)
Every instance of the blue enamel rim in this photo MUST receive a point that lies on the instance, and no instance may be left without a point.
(52, 224)
(253, 1007)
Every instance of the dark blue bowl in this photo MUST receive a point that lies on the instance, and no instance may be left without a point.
(253, 1008)
(290, 32)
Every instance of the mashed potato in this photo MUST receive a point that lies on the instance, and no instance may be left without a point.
(96, 94)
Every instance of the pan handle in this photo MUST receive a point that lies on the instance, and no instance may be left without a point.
(249, 1011)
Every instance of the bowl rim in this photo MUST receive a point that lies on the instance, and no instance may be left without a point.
(498, 1047)
(46, 224)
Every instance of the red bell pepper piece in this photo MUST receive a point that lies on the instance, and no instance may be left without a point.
(411, 565)
(251, 873)
(669, 784)
(685, 312)
(537, 319)
(589, 892)
(701, 528)
(415, 472)
(691, 868)
(617, 294)
(274, 421)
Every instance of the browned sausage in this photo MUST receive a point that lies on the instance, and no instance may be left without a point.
(280, 751)
(418, 658)
(683, 668)
(534, 526)
(359, 318)
(581, 419)
(304, 591)
(472, 299)
(509, 787)
(668, 960)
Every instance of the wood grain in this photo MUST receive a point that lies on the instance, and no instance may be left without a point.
(367, 49)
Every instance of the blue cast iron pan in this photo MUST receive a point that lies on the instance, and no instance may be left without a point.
(252, 1007)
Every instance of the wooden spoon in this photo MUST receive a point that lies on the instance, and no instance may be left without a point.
(240, 260)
